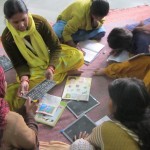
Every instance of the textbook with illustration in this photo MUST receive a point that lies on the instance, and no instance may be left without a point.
(91, 49)
(49, 104)
(124, 56)
(77, 88)
(51, 120)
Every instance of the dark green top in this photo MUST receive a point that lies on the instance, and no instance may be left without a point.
(49, 37)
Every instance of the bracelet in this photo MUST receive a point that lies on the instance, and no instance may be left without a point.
(51, 68)
(27, 80)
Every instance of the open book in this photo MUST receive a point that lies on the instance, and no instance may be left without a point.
(125, 56)
(49, 104)
(77, 88)
(91, 48)
(51, 120)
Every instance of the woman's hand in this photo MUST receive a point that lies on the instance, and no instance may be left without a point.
(49, 73)
(82, 135)
(23, 89)
(30, 106)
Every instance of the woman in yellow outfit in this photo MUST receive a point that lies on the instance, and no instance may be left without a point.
(34, 50)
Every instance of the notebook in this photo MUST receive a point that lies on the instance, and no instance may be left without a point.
(82, 124)
(77, 110)
(39, 90)
(124, 56)
(5, 63)
(91, 49)
(49, 104)
(51, 120)
(77, 88)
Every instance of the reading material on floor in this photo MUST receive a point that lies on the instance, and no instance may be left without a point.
(39, 90)
(51, 120)
(105, 118)
(49, 104)
(124, 56)
(5, 63)
(91, 49)
(82, 124)
(79, 108)
(77, 88)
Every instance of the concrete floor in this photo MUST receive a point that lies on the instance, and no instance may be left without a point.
(51, 8)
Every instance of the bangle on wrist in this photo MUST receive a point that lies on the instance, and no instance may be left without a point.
(52, 69)
(27, 80)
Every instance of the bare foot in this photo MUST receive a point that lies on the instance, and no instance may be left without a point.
(74, 72)
(99, 72)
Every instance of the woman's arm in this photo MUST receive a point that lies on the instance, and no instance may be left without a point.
(25, 134)
(50, 40)
(14, 54)
(26, 129)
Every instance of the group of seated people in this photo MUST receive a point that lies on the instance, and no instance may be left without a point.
(35, 50)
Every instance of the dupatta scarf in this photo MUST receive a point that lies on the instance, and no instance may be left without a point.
(4, 108)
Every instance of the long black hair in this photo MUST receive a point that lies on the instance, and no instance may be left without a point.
(12, 7)
(99, 8)
(131, 103)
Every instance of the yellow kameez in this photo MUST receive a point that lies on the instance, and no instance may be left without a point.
(138, 67)
(38, 60)
(70, 59)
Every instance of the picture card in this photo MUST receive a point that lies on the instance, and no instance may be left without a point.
(77, 88)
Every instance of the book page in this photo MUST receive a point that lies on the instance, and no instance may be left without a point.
(51, 120)
(49, 104)
(89, 55)
(91, 45)
(77, 88)
(138, 55)
(123, 56)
